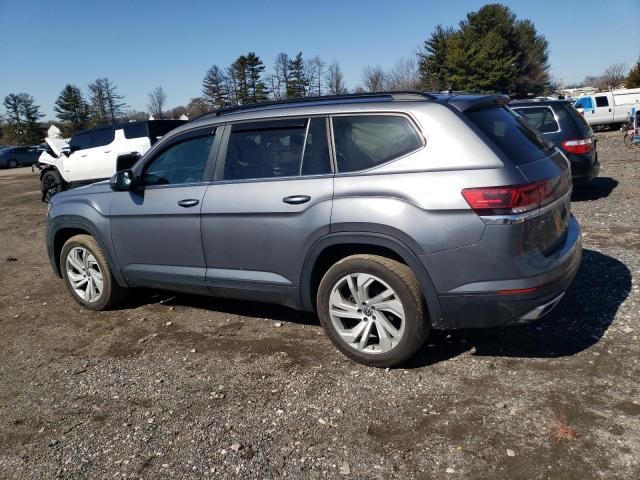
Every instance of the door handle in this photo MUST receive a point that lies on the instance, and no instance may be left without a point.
(107, 151)
(188, 202)
(296, 199)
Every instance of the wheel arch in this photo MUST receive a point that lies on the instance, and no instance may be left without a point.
(69, 226)
(331, 248)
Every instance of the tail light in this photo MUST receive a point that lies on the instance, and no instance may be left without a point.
(516, 199)
(579, 147)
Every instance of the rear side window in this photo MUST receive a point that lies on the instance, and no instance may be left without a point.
(511, 134)
(602, 101)
(102, 137)
(159, 128)
(135, 130)
(541, 118)
(278, 148)
(365, 141)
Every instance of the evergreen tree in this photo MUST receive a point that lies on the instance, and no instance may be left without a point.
(22, 115)
(239, 73)
(256, 89)
(433, 60)
(633, 79)
(215, 87)
(297, 82)
(106, 104)
(491, 51)
(72, 109)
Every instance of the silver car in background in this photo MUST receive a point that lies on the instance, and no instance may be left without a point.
(387, 214)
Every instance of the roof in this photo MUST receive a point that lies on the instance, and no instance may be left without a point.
(374, 101)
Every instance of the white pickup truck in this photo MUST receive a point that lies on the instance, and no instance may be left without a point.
(608, 108)
(96, 154)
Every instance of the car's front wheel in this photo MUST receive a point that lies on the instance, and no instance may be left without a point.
(52, 183)
(87, 275)
(372, 310)
(12, 164)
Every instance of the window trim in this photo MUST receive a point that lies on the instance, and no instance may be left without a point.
(222, 152)
(553, 112)
(411, 120)
(139, 168)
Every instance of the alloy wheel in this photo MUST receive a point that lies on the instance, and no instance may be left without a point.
(84, 274)
(366, 313)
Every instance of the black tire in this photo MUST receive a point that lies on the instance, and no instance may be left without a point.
(51, 184)
(12, 164)
(404, 283)
(112, 294)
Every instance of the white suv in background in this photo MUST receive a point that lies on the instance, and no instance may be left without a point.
(96, 154)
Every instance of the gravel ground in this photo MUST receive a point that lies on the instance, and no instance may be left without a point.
(190, 387)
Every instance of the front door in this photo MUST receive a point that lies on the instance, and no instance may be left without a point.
(270, 202)
(155, 228)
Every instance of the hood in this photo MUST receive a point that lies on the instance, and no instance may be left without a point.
(57, 145)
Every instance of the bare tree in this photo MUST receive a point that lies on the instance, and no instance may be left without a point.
(403, 76)
(280, 77)
(106, 103)
(614, 76)
(374, 78)
(157, 101)
(334, 80)
(315, 69)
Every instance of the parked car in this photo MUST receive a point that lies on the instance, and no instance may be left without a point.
(562, 124)
(13, 157)
(387, 214)
(96, 154)
(608, 108)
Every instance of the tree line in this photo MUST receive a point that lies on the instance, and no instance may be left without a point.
(490, 50)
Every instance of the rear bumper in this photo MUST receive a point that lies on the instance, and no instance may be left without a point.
(520, 300)
(584, 167)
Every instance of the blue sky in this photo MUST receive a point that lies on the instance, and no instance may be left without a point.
(142, 44)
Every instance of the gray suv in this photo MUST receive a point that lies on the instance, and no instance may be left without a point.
(387, 214)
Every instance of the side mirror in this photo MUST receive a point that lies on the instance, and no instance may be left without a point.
(122, 181)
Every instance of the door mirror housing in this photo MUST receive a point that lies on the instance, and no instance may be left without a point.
(122, 181)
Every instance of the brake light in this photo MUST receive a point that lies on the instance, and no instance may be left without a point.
(512, 200)
(579, 147)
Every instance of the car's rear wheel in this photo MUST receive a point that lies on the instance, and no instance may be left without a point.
(372, 310)
(87, 275)
(52, 183)
(12, 164)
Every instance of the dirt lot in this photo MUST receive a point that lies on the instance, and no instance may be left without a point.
(188, 387)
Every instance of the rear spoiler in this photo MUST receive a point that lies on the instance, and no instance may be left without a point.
(467, 103)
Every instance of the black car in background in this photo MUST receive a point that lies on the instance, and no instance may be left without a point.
(561, 123)
(19, 156)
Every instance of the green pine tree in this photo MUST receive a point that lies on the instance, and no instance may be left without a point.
(633, 79)
(215, 88)
(72, 110)
(297, 82)
(22, 115)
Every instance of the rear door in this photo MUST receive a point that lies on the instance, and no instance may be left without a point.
(270, 202)
(155, 228)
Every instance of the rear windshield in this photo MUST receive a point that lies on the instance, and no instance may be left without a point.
(511, 134)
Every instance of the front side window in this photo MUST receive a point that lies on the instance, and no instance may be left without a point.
(541, 118)
(277, 148)
(182, 162)
(365, 141)
(80, 141)
(602, 101)
(585, 103)
(102, 137)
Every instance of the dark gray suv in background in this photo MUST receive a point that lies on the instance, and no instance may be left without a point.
(561, 123)
(388, 214)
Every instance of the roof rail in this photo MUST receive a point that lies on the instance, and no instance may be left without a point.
(407, 95)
